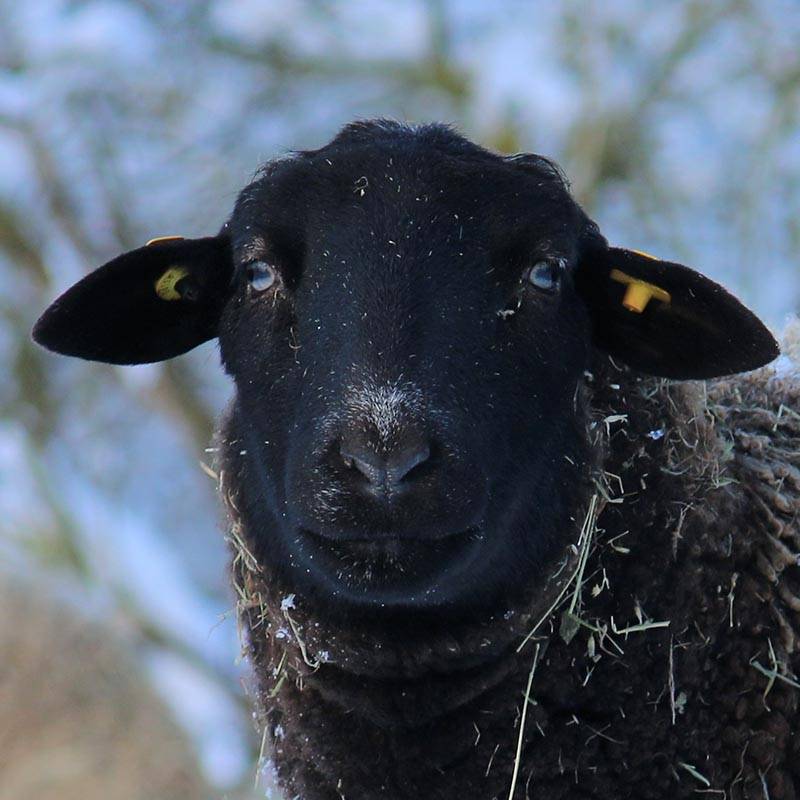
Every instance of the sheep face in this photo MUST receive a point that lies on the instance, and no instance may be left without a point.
(407, 319)
(407, 344)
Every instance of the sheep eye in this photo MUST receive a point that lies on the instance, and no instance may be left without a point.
(260, 275)
(545, 275)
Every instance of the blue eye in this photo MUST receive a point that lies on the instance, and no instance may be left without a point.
(260, 275)
(545, 275)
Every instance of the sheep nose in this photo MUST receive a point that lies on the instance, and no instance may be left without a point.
(384, 470)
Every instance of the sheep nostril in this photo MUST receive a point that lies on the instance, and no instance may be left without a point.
(384, 470)
(369, 465)
(400, 464)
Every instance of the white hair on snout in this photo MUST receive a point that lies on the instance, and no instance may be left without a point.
(384, 407)
(328, 501)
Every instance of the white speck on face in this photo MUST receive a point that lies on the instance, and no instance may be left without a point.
(287, 602)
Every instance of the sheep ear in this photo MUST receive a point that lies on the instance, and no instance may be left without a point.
(146, 305)
(665, 319)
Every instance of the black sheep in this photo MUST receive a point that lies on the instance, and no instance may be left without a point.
(476, 556)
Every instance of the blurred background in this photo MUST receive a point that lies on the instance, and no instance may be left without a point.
(121, 120)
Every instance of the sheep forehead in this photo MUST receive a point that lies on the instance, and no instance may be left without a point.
(380, 152)
(397, 180)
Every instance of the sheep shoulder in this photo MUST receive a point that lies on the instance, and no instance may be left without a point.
(685, 637)
(759, 415)
(748, 539)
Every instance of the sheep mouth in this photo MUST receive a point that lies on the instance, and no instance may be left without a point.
(391, 544)
(385, 561)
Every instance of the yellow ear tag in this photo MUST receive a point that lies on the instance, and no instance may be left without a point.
(639, 293)
(165, 285)
(160, 239)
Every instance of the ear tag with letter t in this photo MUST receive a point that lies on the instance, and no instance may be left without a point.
(639, 293)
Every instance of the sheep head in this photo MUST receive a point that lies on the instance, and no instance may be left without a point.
(407, 319)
